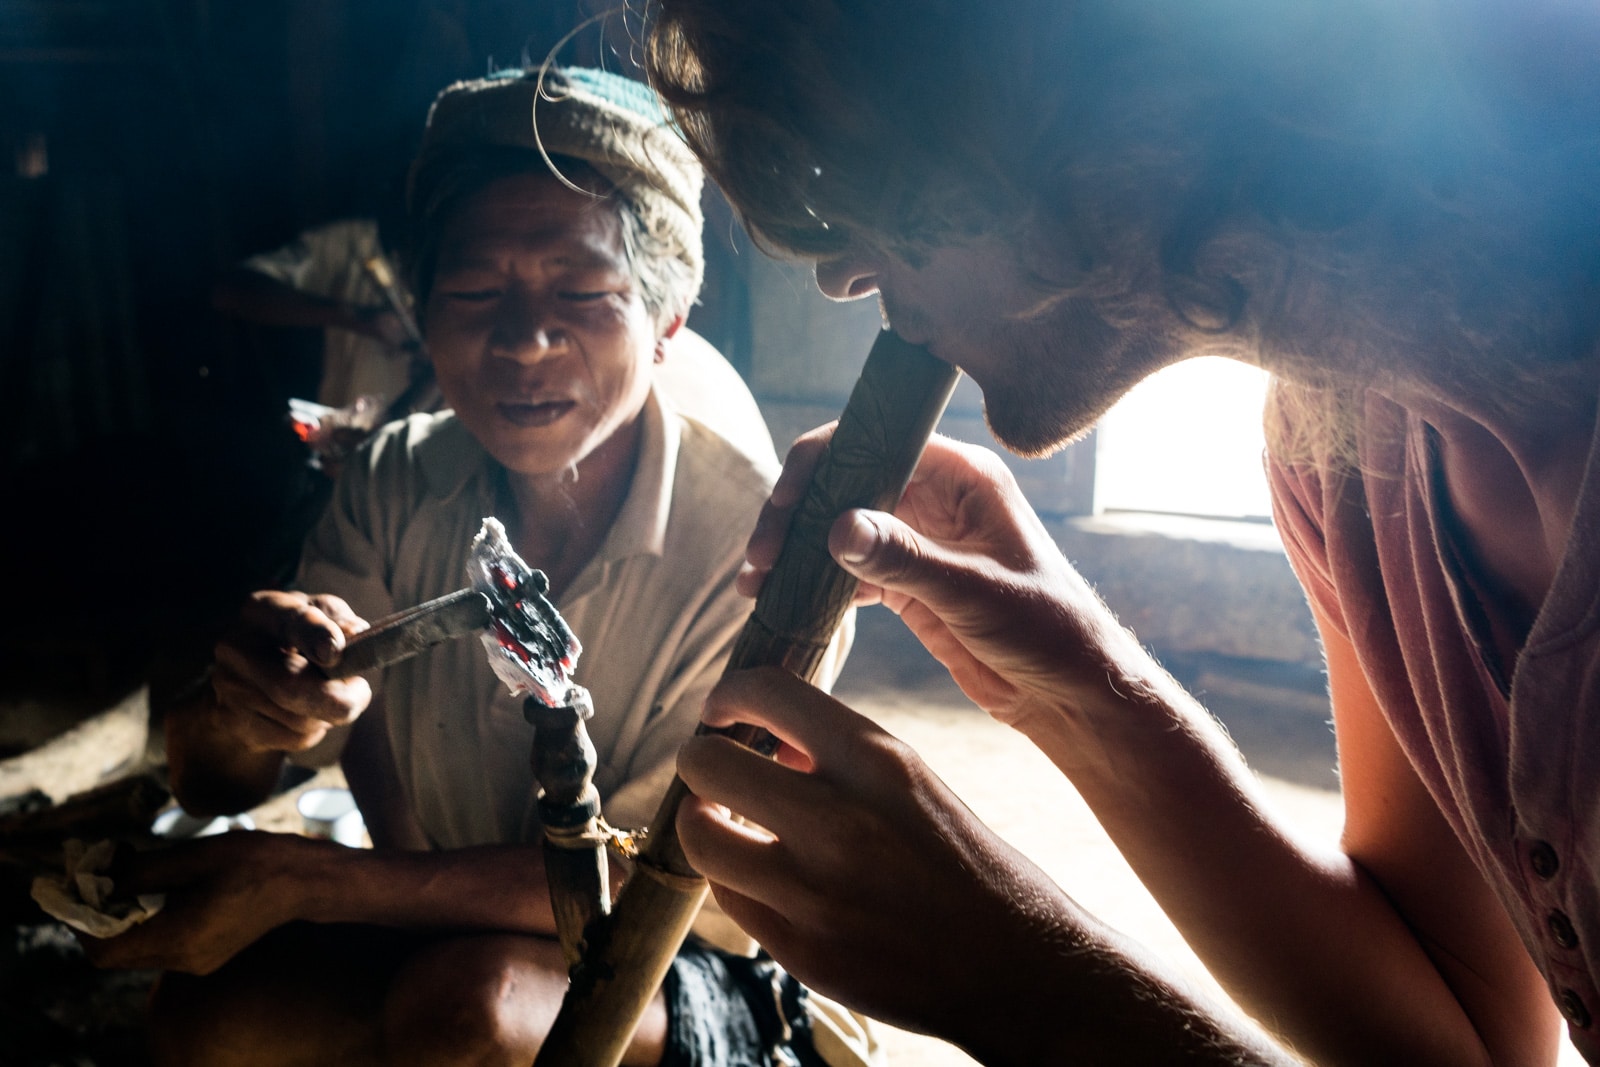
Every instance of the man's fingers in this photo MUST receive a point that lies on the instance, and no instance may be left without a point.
(811, 722)
(248, 681)
(340, 614)
(160, 869)
(772, 525)
(768, 926)
(799, 464)
(766, 540)
(293, 621)
(721, 771)
(899, 563)
(729, 853)
(260, 731)
(279, 637)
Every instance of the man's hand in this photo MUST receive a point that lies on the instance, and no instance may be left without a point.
(271, 694)
(872, 882)
(223, 893)
(875, 883)
(974, 574)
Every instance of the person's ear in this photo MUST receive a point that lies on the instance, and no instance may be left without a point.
(666, 335)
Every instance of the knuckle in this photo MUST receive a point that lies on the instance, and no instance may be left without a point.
(895, 763)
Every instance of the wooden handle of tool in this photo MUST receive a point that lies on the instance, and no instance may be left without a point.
(885, 425)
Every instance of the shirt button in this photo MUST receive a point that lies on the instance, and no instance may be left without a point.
(1561, 931)
(1573, 1009)
(1542, 858)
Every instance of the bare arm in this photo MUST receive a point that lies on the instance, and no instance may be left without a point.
(1299, 931)
(225, 892)
(1396, 834)
(257, 297)
(879, 887)
(1391, 949)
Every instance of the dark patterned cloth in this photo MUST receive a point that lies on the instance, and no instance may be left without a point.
(734, 1011)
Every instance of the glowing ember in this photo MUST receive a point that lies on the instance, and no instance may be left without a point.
(530, 645)
(333, 433)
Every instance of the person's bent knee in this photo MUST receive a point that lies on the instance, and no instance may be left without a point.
(474, 1002)
(213, 1022)
(302, 996)
(182, 1030)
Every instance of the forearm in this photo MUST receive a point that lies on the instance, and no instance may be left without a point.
(1109, 1004)
(486, 888)
(209, 771)
(1293, 929)
(257, 297)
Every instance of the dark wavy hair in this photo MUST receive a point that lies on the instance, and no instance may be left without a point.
(1264, 178)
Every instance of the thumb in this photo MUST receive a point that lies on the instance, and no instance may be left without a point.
(881, 550)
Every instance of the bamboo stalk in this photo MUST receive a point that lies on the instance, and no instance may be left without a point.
(892, 411)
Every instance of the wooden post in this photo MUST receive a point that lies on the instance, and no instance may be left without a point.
(891, 412)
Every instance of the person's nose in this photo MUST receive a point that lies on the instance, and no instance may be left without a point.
(849, 276)
(525, 330)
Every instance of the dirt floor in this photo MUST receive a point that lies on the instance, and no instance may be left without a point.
(56, 1012)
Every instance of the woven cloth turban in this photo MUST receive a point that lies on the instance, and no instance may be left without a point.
(614, 124)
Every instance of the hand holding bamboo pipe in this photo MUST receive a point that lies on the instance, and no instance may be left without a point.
(887, 421)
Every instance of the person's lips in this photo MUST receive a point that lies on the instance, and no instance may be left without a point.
(912, 328)
(533, 413)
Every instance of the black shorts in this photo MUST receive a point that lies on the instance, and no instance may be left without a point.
(734, 1011)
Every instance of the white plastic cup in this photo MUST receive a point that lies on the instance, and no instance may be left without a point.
(332, 815)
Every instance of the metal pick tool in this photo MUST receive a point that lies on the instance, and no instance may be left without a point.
(406, 633)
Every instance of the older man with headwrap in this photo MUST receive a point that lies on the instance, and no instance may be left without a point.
(557, 251)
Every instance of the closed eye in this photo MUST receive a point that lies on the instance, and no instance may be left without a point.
(584, 297)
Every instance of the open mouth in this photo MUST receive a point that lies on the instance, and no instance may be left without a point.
(541, 413)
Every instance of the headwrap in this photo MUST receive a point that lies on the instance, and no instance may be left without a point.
(614, 124)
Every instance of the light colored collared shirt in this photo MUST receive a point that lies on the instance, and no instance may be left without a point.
(655, 610)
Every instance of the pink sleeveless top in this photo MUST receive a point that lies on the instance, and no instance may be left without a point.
(1510, 752)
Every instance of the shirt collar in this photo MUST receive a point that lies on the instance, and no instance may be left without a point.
(449, 458)
(640, 527)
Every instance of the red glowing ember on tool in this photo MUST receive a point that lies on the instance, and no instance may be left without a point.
(530, 646)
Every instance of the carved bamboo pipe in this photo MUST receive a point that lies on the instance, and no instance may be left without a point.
(569, 808)
(892, 411)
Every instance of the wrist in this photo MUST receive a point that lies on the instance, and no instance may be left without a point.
(1125, 1007)
(1110, 717)
(316, 877)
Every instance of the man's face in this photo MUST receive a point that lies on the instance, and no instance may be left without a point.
(1047, 369)
(535, 326)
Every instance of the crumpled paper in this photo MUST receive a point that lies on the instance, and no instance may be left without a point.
(82, 897)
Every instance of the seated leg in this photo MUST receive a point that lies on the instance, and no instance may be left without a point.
(303, 995)
(309, 996)
(487, 1000)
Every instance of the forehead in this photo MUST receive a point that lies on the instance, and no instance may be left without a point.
(533, 212)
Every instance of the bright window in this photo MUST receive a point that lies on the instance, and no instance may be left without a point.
(1186, 441)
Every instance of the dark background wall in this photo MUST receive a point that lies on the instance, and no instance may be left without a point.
(144, 146)
(147, 479)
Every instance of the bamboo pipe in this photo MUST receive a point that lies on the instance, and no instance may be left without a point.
(575, 864)
(891, 412)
